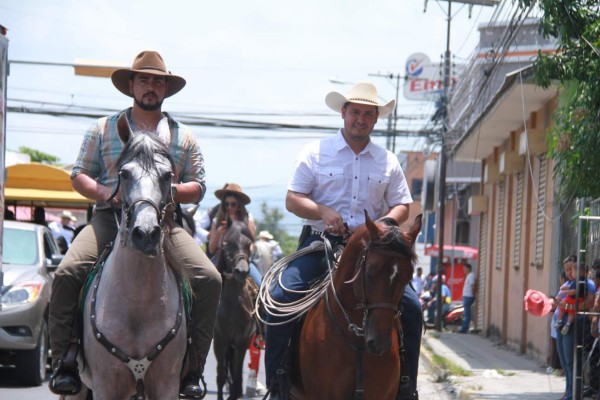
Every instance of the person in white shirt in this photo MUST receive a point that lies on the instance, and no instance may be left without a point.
(418, 281)
(468, 297)
(63, 230)
(266, 250)
(335, 180)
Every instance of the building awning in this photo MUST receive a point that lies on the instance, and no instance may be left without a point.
(466, 252)
(43, 185)
(515, 100)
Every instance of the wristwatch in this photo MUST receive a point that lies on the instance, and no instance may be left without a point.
(173, 191)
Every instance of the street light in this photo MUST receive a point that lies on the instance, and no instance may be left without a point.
(82, 67)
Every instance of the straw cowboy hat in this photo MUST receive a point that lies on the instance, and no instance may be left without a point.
(151, 63)
(536, 303)
(360, 93)
(235, 189)
(67, 214)
(265, 235)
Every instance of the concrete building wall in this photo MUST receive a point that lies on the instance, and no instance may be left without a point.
(519, 242)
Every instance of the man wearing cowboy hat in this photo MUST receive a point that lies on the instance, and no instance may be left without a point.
(64, 229)
(335, 179)
(94, 175)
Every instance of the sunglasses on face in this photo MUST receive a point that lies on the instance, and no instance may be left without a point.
(230, 204)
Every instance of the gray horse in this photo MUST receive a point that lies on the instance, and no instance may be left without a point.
(134, 328)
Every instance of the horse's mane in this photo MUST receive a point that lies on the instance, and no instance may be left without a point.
(142, 146)
(244, 228)
(392, 238)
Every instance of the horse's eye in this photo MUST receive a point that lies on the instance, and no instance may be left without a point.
(124, 174)
(168, 176)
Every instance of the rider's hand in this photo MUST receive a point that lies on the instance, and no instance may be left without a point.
(106, 192)
(332, 221)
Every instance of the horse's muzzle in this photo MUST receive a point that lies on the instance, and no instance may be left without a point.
(146, 240)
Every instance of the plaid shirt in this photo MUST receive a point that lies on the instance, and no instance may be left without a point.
(102, 146)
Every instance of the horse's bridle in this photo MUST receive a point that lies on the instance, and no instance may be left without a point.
(128, 208)
(364, 304)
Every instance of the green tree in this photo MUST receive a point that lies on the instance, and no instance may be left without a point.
(574, 139)
(270, 222)
(39, 156)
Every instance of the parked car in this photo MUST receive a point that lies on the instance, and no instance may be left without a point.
(29, 256)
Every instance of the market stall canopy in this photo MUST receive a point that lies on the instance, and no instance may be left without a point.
(469, 253)
(41, 185)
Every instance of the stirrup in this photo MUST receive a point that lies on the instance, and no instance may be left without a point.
(189, 390)
(60, 371)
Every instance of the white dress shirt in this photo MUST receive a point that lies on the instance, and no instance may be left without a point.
(331, 174)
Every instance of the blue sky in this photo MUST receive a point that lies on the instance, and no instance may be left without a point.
(238, 57)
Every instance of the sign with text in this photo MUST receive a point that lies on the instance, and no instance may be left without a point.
(424, 80)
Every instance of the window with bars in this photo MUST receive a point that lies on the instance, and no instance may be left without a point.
(482, 272)
(540, 221)
(518, 220)
(499, 226)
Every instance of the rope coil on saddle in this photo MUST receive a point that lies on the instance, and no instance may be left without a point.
(288, 312)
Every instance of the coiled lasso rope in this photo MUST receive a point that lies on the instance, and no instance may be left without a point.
(288, 312)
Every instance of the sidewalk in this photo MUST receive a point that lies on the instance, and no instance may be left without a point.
(496, 372)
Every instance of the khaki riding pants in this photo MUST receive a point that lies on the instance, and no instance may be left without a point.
(86, 248)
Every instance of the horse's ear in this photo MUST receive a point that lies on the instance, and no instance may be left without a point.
(191, 210)
(371, 227)
(123, 128)
(415, 228)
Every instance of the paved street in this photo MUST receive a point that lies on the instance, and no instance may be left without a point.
(9, 390)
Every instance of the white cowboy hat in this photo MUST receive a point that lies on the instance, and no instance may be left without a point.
(67, 214)
(151, 63)
(265, 235)
(360, 93)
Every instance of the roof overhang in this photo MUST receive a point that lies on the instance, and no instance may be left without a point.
(507, 111)
(41, 184)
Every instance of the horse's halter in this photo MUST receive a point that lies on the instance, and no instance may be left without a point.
(364, 304)
(225, 259)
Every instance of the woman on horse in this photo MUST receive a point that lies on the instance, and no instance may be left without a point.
(232, 208)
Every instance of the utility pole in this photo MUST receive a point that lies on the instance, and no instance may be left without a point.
(444, 154)
(393, 118)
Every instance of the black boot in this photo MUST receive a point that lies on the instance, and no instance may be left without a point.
(65, 379)
(190, 387)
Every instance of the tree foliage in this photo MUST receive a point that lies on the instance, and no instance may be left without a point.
(39, 156)
(575, 137)
(270, 222)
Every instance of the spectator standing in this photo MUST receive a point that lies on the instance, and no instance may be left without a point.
(565, 343)
(266, 251)
(63, 231)
(468, 297)
(418, 281)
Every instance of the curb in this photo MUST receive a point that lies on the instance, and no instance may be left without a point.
(440, 374)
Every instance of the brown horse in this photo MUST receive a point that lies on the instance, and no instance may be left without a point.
(349, 341)
(235, 322)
